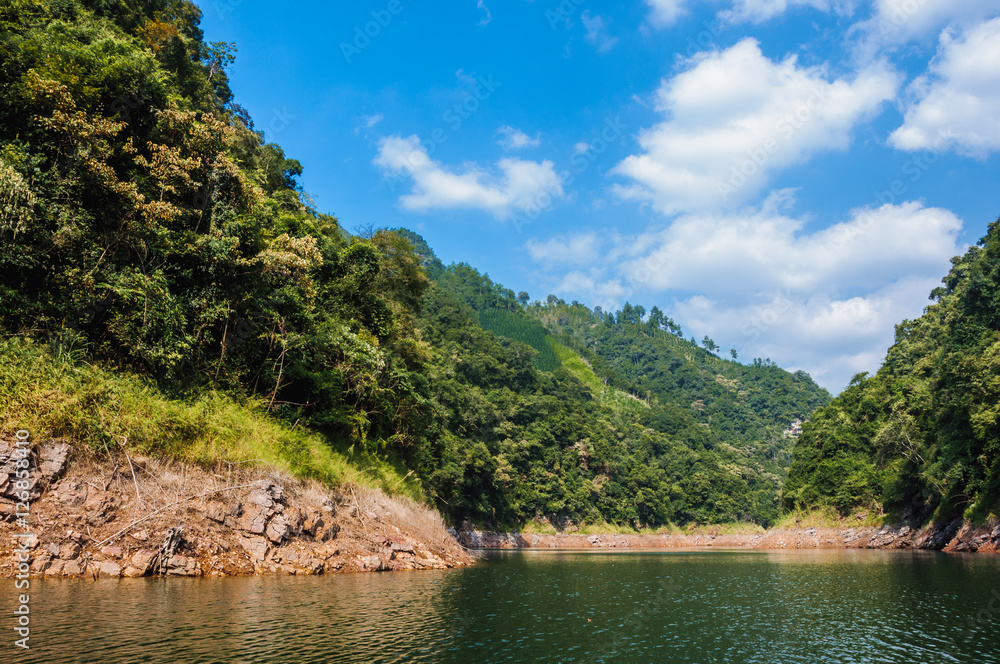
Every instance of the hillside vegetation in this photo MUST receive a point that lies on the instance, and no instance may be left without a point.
(166, 287)
(920, 438)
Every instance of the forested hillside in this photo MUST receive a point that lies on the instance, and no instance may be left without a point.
(922, 436)
(731, 417)
(148, 229)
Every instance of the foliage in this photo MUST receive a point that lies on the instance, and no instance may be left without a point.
(922, 436)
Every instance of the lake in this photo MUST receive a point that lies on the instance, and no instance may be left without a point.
(543, 606)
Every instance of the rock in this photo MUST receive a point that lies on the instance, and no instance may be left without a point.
(140, 535)
(943, 535)
(881, 539)
(904, 531)
(328, 533)
(52, 459)
(54, 549)
(329, 506)
(373, 564)
(312, 566)
(401, 547)
(113, 551)
(256, 547)
(278, 528)
(261, 498)
(72, 494)
(254, 520)
(371, 516)
(101, 508)
(312, 523)
(216, 513)
(55, 569)
(111, 569)
(181, 566)
(41, 563)
(69, 550)
(72, 568)
(139, 564)
(594, 540)
(429, 563)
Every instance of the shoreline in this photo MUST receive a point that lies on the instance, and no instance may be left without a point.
(140, 517)
(952, 537)
(144, 517)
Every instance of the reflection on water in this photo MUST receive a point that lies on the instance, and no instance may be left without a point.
(745, 607)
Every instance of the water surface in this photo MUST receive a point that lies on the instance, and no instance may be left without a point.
(534, 606)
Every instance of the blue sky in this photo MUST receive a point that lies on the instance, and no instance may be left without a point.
(790, 177)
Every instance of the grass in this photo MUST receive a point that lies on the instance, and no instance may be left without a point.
(620, 402)
(59, 397)
(828, 517)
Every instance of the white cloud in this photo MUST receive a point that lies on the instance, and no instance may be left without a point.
(826, 301)
(958, 100)
(489, 16)
(368, 121)
(515, 139)
(515, 185)
(733, 117)
(578, 250)
(597, 32)
(897, 22)
(665, 12)
(759, 11)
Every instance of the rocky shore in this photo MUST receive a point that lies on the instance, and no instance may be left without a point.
(132, 517)
(955, 536)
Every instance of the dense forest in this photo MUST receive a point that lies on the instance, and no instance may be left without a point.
(148, 228)
(920, 438)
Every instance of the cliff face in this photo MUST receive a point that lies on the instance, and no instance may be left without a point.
(138, 517)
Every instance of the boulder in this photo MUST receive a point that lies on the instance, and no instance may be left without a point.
(256, 547)
(139, 564)
(109, 568)
(69, 550)
(254, 520)
(181, 566)
(278, 529)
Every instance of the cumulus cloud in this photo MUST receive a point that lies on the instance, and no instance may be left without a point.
(514, 185)
(958, 100)
(896, 22)
(826, 301)
(734, 117)
(515, 139)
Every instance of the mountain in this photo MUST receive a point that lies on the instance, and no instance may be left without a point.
(920, 438)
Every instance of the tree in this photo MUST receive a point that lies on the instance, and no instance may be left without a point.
(523, 298)
(709, 345)
(732, 351)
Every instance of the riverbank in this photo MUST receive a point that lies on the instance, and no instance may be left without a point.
(140, 516)
(955, 536)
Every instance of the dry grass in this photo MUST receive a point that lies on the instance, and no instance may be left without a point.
(112, 412)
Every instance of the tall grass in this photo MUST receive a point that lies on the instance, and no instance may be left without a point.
(620, 402)
(57, 396)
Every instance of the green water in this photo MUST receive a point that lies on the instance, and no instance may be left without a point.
(752, 607)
